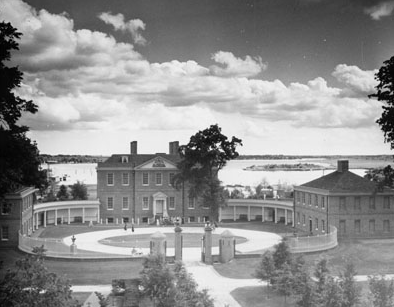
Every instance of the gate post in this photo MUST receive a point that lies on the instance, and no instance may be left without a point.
(227, 246)
(208, 245)
(178, 243)
(158, 244)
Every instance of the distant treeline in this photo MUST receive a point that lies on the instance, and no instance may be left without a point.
(292, 157)
(71, 158)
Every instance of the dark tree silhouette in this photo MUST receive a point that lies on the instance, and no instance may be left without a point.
(19, 157)
(385, 93)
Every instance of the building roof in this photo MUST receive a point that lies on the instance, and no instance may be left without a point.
(344, 181)
(135, 160)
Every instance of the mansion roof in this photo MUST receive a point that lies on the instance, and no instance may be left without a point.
(344, 181)
(135, 160)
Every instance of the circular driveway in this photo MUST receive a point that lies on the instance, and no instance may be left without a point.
(256, 241)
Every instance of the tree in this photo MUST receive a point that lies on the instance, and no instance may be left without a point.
(382, 291)
(266, 269)
(201, 159)
(383, 176)
(282, 255)
(284, 281)
(19, 157)
(350, 291)
(187, 294)
(30, 284)
(79, 191)
(385, 93)
(63, 194)
(157, 281)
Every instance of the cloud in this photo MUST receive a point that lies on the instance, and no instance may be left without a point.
(236, 67)
(83, 79)
(361, 82)
(380, 10)
(133, 26)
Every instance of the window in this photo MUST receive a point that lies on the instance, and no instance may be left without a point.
(316, 201)
(309, 199)
(303, 219)
(110, 203)
(371, 226)
(192, 219)
(145, 203)
(191, 203)
(342, 204)
(159, 179)
(342, 226)
(303, 198)
(145, 219)
(298, 197)
(386, 202)
(145, 178)
(171, 178)
(110, 179)
(125, 159)
(5, 235)
(125, 219)
(323, 202)
(357, 204)
(5, 208)
(125, 178)
(323, 225)
(372, 203)
(125, 203)
(171, 203)
(357, 226)
(386, 225)
(298, 217)
(110, 220)
(317, 223)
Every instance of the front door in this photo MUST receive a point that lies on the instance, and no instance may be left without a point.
(159, 206)
(310, 225)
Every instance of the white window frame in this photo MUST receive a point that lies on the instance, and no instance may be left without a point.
(192, 202)
(123, 203)
(159, 178)
(143, 177)
(109, 175)
(143, 203)
(171, 201)
(3, 237)
(108, 198)
(5, 205)
(123, 179)
(170, 176)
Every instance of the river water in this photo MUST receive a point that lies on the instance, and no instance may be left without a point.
(232, 174)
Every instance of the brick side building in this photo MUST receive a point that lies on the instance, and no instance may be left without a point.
(16, 215)
(137, 188)
(351, 203)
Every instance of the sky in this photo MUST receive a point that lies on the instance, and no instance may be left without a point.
(285, 76)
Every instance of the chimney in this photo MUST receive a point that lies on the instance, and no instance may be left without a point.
(133, 147)
(343, 166)
(174, 148)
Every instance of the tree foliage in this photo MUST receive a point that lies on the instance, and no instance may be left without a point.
(63, 194)
(382, 176)
(201, 159)
(382, 291)
(30, 284)
(19, 157)
(79, 191)
(167, 288)
(385, 93)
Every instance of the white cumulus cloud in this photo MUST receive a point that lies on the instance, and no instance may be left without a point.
(380, 10)
(133, 26)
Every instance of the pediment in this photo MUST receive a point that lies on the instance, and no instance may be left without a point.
(159, 195)
(157, 163)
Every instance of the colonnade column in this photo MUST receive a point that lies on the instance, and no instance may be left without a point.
(45, 219)
(36, 220)
(234, 213)
(248, 213)
(285, 216)
(55, 217)
(262, 214)
(68, 217)
(276, 215)
(83, 215)
(293, 221)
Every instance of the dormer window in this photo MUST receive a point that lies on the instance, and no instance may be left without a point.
(125, 159)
